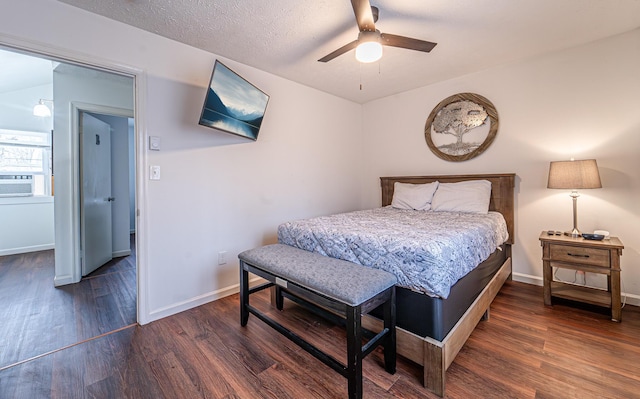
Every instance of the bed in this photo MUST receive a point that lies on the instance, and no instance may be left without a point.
(433, 322)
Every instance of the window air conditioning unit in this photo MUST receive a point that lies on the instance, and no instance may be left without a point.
(16, 185)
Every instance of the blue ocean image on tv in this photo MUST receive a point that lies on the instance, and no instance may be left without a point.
(233, 105)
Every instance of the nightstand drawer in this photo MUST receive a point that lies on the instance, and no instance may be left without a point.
(573, 254)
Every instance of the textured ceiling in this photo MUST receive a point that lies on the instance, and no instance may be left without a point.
(287, 37)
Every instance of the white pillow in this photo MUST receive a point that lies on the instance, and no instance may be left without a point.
(471, 196)
(413, 196)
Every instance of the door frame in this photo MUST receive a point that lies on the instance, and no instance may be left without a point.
(76, 109)
(55, 53)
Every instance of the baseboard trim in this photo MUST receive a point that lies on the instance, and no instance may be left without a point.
(197, 301)
(631, 299)
(119, 254)
(527, 278)
(24, 250)
(63, 280)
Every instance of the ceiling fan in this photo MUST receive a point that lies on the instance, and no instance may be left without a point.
(370, 41)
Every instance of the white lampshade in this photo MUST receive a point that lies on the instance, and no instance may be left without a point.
(41, 110)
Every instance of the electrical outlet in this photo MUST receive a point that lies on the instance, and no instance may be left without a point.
(222, 258)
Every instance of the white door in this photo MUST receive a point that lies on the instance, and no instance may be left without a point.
(95, 229)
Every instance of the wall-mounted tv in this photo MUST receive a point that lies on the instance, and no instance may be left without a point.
(232, 104)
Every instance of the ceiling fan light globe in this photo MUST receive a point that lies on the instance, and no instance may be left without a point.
(369, 52)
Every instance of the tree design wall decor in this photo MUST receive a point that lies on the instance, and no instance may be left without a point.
(461, 127)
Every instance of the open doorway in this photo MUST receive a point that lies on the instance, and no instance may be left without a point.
(107, 218)
(43, 318)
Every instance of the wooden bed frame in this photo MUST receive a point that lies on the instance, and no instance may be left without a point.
(436, 356)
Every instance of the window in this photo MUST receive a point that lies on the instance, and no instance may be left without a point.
(27, 153)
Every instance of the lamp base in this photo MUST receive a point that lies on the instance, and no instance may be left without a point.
(575, 233)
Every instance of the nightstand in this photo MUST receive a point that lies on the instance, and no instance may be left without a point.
(602, 257)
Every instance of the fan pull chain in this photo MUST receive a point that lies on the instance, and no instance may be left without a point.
(360, 71)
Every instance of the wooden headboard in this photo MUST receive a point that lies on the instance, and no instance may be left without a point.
(502, 192)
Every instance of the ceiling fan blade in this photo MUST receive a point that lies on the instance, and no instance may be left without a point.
(364, 15)
(339, 51)
(406, 42)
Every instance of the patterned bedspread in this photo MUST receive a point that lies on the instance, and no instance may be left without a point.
(427, 251)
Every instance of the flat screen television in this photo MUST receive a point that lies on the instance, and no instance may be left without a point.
(232, 104)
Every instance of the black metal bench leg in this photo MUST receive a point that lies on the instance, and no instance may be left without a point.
(354, 352)
(244, 295)
(279, 298)
(390, 341)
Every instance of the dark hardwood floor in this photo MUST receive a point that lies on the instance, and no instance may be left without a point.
(37, 318)
(525, 350)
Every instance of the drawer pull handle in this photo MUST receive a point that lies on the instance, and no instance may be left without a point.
(577, 255)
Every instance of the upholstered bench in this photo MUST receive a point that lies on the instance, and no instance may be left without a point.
(330, 287)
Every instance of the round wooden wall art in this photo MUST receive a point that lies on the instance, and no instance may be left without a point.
(461, 127)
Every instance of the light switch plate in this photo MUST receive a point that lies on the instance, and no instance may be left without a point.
(154, 143)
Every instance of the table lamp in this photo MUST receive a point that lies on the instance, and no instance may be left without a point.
(574, 175)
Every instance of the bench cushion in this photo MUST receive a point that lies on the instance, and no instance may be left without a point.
(344, 281)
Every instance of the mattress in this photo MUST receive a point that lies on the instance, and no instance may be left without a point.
(434, 317)
(427, 251)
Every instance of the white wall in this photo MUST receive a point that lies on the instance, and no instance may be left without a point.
(26, 223)
(217, 192)
(581, 102)
(223, 193)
